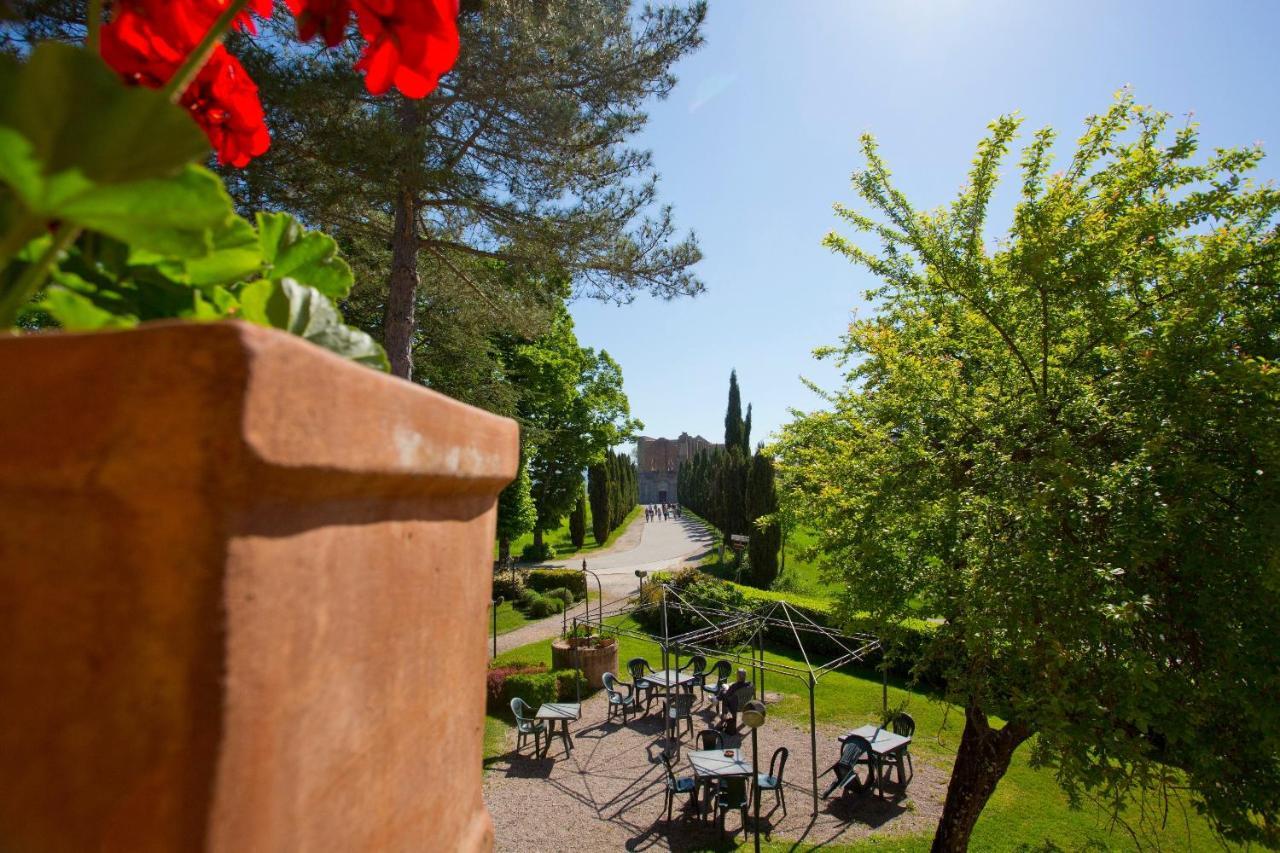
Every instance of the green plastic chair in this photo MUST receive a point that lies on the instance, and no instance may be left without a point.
(681, 785)
(619, 701)
(732, 796)
(772, 781)
(526, 725)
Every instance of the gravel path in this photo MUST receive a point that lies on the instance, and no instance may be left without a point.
(643, 545)
(608, 793)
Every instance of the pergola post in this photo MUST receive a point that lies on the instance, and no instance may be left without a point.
(813, 742)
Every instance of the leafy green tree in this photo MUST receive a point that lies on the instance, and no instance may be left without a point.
(516, 512)
(522, 155)
(572, 409)
(762, 525)
(1066, 446)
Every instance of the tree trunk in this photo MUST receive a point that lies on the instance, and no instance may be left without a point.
(980, 764)
(504, 550)
(537, 538)
(398, 322)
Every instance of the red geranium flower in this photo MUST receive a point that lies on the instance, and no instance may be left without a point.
(183, 23)
(222, 99)
(411, 43)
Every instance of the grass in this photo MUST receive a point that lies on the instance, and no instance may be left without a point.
(1028, 811)
(559, 538)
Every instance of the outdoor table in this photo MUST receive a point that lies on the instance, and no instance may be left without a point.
(561, 712)
(668, 678)
(710, 765)
(883, 742)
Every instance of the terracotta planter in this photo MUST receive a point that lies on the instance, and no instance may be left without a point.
(243, 587)
(581, 652)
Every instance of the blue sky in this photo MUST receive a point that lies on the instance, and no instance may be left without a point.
(760, 137)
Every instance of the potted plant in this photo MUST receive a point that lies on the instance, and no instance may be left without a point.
(237, 571)
(583, 647)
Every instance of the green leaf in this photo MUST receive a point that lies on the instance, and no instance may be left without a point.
(308, 257)
(171, 216)
(77, 312)
(308, 313)
(79, 116)
(236, 256)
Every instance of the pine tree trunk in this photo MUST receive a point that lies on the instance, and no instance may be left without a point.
(980, 764)
(398, 321)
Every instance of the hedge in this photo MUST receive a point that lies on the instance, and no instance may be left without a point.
(532, 683)
(544, 580)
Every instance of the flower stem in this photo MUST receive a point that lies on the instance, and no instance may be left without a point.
(195, 60)
(95, 24)
(12, 302)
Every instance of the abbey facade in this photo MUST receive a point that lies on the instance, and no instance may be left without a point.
(658, 460)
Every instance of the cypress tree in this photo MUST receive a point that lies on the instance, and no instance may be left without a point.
(733, 414)
(578, 523)
(598, 495)
(762, 500)
(746, 432)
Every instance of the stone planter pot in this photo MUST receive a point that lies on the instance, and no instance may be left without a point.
(582, 651)
(243, 587)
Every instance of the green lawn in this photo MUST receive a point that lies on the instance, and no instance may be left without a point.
(1027, 812)
(559, 538)
(798, 575)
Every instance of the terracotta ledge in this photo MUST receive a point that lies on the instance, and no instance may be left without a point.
(243, 587)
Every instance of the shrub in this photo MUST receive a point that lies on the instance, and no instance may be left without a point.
(698, 589)
(496, 679)
(508, 586)
(564, 685)
(563, 594)
(528, 597)
(545, 605)
(545, 580)
(534, 688)
(537, 553)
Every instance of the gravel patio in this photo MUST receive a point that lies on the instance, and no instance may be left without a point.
(608, 794)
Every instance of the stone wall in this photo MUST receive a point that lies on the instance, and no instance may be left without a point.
(658, 461)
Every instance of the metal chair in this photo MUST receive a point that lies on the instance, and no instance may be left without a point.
(618, 700)
(710, 739)
(721, 670)
(852, 753)
(680, 708)
(639, 667)
(902, 724)
(681, 785)
(732, 796)
(527, 725)
(772, 781)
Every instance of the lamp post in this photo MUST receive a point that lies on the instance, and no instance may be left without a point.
(753, 715)
(641, 574)
(497, 602)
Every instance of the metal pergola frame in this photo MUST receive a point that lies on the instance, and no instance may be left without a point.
(721, 623)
